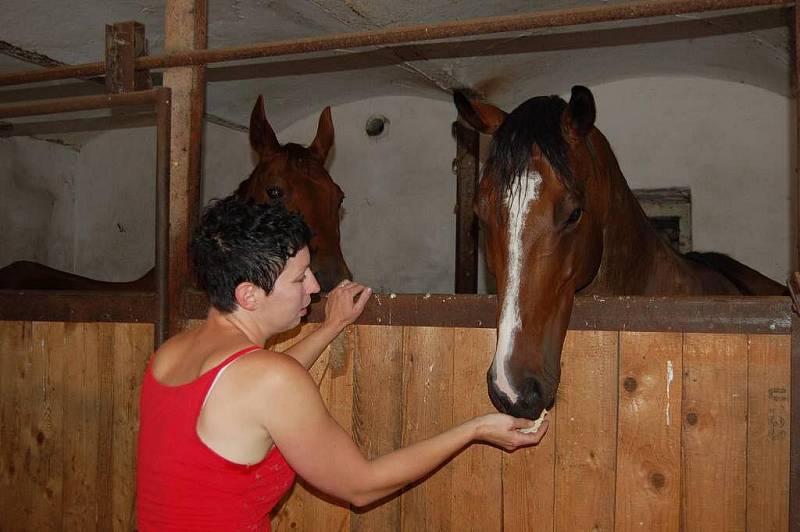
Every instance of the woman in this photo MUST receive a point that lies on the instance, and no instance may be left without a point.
(225, 423)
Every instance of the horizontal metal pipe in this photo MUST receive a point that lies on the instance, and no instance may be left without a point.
(80, 103)
(416, 33)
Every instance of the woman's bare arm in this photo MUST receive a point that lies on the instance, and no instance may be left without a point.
(343, 306)
(325, 455)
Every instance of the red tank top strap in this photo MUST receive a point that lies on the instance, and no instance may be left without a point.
(230, 359)
(213, 371)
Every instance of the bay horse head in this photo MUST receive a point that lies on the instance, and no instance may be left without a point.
(544, 236)
(296, 175)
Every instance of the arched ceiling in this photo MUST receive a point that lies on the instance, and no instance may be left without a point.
(749, 46)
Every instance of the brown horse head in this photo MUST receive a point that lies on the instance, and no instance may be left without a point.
(296, 176)
(543, 238)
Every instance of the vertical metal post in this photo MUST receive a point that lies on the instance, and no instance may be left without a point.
(465, 166)
(163, 115)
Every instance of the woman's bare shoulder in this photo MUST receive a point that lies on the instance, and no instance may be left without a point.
(272, 367)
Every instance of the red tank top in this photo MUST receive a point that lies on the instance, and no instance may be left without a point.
(181, 484)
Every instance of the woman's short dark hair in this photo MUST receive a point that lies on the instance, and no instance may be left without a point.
(239, 241)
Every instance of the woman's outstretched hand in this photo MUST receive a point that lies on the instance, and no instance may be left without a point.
(346, 302)
(502, 430)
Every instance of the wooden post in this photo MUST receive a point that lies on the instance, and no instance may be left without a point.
(465, 166)
(186, 24)
(125, 41)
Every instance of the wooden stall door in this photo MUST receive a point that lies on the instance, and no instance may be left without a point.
(653, 431)
(68, 422)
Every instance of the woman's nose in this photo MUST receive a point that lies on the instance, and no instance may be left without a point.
(313, 284)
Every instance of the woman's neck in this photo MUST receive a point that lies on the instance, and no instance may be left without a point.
(238, 323)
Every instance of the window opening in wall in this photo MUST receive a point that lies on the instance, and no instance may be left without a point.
(670, 212)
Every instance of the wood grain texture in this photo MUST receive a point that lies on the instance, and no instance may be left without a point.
(378, 412)
(714, 432)
(649, 432)
(428, 396)
(586, 435)
(769, 397)
(476, 503)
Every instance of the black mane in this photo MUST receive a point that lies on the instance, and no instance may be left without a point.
(536, 121)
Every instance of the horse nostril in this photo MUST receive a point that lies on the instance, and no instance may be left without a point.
(532, 390)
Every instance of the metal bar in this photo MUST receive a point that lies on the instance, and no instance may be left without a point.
(796, 80)
(466, 169)
(794, 377)
(100, 123)
(78, 103)
(163, 119)
(415, 33)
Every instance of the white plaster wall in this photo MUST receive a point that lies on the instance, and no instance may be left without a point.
(37, 201)
(398, 227)
(90, 209)
(115, 193)
(730, 143)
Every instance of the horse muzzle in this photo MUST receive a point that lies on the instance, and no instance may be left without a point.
(529, 403)
(330, 276)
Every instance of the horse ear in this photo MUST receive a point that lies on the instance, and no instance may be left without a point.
(482, 116)
(324, 139)
(581, 111)
(262, 137)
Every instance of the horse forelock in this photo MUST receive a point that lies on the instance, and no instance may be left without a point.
(536, 121)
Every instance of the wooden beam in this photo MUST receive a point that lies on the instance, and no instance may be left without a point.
(185, 24)
(125, 41)
(466, 166)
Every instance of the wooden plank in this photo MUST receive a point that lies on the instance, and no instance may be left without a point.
(714, 432)
(133, 345)
(43, 425)
(333, 372)
(81, 423)
(769, 396)
(722, 314)
(15, 339)
(529, 485)
(378, 412)
(649, 432)
(476, 503)
(428, 397)
(304, 509)
(586, 413)
(754, 315)
(102, 393)
(88, 306)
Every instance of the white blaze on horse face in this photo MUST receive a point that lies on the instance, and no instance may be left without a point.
(518, 202)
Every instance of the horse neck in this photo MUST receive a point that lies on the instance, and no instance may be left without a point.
(635, 257)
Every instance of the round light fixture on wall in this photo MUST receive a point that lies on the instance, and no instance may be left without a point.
(376, 125)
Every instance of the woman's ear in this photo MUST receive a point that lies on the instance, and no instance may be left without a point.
(246, 295)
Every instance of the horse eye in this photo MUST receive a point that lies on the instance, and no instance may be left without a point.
(274, 192)
(574, 216)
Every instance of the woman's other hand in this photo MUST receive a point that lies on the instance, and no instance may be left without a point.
(346, 302)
